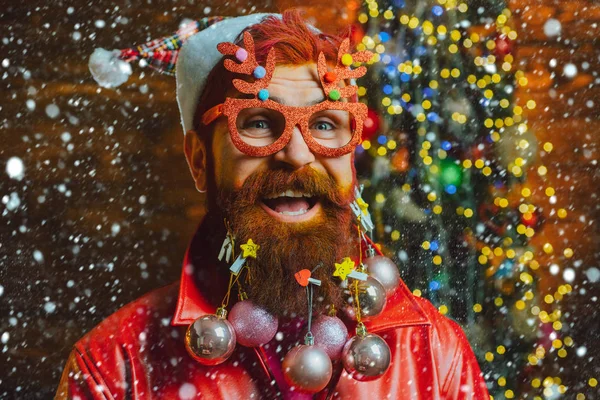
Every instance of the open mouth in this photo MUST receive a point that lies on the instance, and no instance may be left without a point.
(291, 205)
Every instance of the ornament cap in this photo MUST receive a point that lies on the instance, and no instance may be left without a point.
(221, 312)
(361, 330)
(370, 252)
(309, 339)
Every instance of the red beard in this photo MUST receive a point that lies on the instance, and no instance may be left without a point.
(286, 248)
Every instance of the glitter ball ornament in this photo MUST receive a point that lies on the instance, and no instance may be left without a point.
(253, 325)
(210, 339)
(367, 357)
(307, 368)
(384, 271)
(371, 297)
(330, 334)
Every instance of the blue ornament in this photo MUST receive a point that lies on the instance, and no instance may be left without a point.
(384, 37)
(434, 245)
(382, 139)
(263, 94)
(404, 77)
(437, 10)
(446, 145)
(259, 72)
(388, 89)
(450, 189)
(433, 117)
(434, 285)
(400, 3)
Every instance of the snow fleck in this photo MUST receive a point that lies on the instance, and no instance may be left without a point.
(570, 70)
(581, 351)
(30, 103)
(142, 336)
(569, 275)
(12, 202)
(5, 63)
(554, 269)
(65, 136)
(187, 391)
(50, 307)
(70, 10)
(15, 168)
(142, 199)
(1, 290)
(70, 283)
(52, 111)
(552, 27)
(100, 23)
(76, 35)
(38, 256)
(115, 228)
(593, 274)
(5, 337)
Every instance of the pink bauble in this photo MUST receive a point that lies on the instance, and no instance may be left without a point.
(384, 270)
(330, 334)
(253, 325)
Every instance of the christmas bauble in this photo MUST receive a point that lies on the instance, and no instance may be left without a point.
(307, 368)
(450, 173)
(253, 325)
(371, 124)
(210, 340)
(384, 271)
(330, 334)
(503, 47)
(372, 298)
(366, 358)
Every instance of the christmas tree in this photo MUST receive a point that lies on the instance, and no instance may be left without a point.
(444, 151)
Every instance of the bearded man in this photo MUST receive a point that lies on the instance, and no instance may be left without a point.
(274, 153)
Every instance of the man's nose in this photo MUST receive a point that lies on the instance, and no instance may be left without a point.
(296, 153)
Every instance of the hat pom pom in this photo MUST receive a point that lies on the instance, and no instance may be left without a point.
(107, 69)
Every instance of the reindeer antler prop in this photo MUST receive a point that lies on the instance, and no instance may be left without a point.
(341, 71)
(248, 66)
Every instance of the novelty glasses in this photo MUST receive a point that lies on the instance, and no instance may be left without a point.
(260, 127)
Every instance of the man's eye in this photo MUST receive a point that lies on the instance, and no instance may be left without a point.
(258, 124)
(323, 126)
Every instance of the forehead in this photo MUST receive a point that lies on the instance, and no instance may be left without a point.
(296, 85)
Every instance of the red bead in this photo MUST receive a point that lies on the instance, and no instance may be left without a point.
(330, 77)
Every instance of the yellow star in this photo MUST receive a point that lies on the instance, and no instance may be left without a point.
(250, 249)
(342, 270)
(363, 206)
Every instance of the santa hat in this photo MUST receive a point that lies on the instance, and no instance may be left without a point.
(190, 63)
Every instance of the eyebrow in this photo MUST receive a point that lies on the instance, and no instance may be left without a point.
(283, 102)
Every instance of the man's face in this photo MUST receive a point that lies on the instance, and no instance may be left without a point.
(297, 85)
(294, 203)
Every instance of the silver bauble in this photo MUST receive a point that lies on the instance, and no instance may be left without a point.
(307, 368)
(210, 340)
(366, 358)
(383, 270)
(371, 297)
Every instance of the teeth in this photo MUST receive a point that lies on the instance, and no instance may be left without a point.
(289, 193)
(299, 212)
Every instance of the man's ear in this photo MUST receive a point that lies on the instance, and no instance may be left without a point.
(195, 154)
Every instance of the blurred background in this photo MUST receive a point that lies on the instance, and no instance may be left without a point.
(479, 160)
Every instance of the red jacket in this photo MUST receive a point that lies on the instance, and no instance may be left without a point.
(139, 353)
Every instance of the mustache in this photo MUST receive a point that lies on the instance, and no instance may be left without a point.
(272, 182)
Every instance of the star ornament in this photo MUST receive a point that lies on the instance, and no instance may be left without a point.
(363, 205)
(249, 249)
(343, 269)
